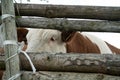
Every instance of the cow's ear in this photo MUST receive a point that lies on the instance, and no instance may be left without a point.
(67, 35)
(21, 33)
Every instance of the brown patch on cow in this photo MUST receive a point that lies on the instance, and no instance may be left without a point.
(67, 35)
(113, 49)
(75, 42)
(21, 33)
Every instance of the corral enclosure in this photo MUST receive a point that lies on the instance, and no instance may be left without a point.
(107, 21)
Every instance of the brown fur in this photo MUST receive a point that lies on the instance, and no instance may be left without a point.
(76, 42)
(113, 49)
(21, 33)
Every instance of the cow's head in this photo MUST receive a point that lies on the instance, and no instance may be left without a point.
(46, 40)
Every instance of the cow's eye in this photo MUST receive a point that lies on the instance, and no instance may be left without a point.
(52, 39)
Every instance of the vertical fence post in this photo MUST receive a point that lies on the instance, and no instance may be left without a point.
(10, 40)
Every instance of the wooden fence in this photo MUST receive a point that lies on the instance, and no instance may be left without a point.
(55, 67)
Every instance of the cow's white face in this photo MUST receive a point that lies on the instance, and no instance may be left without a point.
(45, 40)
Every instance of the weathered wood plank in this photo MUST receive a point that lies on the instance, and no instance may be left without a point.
(68, 11)
(95, 63)
(9, 33)
(43, 75)
(109, 64)
(65, 24)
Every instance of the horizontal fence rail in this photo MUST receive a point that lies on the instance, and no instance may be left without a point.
(105, 63)
(65, 24)
(68, 11)
(43, 75)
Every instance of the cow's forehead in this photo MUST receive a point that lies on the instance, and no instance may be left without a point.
(43, 33)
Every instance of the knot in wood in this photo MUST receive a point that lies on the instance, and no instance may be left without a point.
(87, 62)
(108, 68)
(96, 62)
(73, 61)
(91, 62)
(49, 13)
(67, 63)
(78, 62)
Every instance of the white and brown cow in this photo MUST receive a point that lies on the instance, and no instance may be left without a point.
(47, 40)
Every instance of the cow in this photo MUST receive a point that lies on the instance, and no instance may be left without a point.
(54, 41)
(21, 34)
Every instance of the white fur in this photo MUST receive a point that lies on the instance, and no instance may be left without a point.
(104, 49)
(39, 40)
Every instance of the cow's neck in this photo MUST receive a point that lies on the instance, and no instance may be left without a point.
(80, 44)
